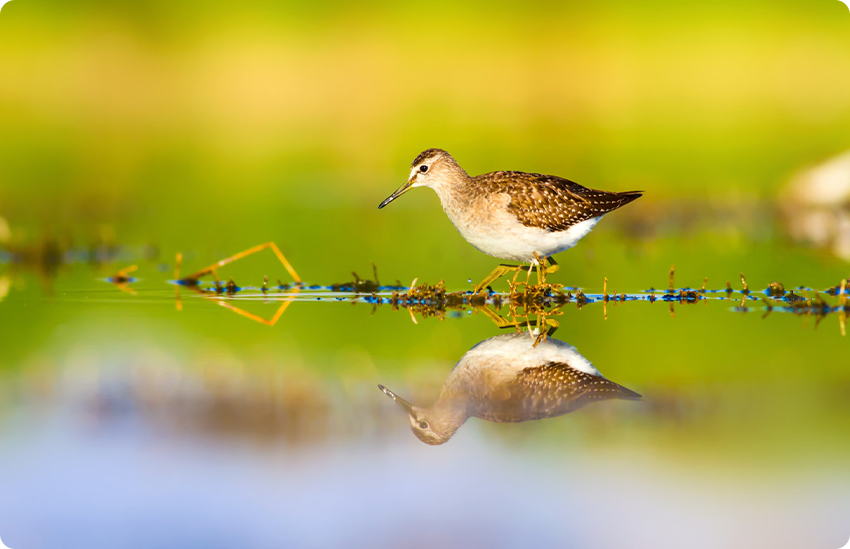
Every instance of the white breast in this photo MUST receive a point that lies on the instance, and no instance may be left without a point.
(502, 236)
(486, 223)
(504, 356)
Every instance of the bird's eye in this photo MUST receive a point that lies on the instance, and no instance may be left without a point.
(423, 168)
(423, 424)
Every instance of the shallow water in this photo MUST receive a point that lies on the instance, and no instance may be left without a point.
(148, 414)
(154, 414)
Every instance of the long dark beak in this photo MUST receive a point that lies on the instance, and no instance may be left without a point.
(408, 407)
(400, 191)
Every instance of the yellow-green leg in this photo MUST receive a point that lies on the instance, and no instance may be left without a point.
(497, 273)
(503, 269)
(497, 319)
(543, 270)
(546, 328)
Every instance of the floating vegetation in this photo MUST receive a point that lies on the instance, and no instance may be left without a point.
(360, 286)
(122, 279)
(47, 256)
(533, 305)
(194, 278)
(231, 289)
(775, 289)
(525, 306)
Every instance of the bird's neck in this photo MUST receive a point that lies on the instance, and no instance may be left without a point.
(448, 414)
(453, 189)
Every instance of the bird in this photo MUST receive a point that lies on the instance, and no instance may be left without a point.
(508, 379)
(518, 216)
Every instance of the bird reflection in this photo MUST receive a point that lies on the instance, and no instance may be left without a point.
(507, 379)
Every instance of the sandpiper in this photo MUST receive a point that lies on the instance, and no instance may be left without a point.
(517, 216)
(508, 379)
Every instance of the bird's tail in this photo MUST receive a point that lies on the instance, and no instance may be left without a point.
(630, 196)
(608, 202)
(628, 394)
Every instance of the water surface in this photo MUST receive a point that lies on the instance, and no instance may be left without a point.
(133, 417)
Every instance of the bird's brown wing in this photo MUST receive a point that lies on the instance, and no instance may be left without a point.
(549, 390)
(557, 381)
(549, 202)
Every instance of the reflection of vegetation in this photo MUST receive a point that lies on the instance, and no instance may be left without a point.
(359, 285)
(511, 378)
(528, 305)
(44, 258)
(815, 306)
(213, 394)
(230, 288)
(48, 255)
(122, 279)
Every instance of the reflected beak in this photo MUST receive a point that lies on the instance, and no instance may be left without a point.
(400, 191)
(408, 407)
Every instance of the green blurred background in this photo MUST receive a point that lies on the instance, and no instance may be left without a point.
(208, 127)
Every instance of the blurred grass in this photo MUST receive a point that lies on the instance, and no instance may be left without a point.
(108, 107)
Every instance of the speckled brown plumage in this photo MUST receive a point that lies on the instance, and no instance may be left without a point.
(550, 202)
(510, 378)
(550, 390)
(537, 200)
(511, 215)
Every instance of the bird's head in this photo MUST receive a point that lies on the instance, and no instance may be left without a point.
(432, 168)
(429, 426)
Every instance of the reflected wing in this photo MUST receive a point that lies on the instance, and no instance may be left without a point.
(557, 388)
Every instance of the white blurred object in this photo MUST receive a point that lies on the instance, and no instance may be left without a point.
(816, 206)
(2, 546)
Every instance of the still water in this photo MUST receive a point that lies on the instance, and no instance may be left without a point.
(136, 412)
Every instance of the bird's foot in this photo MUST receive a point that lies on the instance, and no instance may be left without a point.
(540, 263)
(548, 327)
(497, 273)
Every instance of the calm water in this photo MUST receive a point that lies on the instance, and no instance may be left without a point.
(152, 415)
(137, 419)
